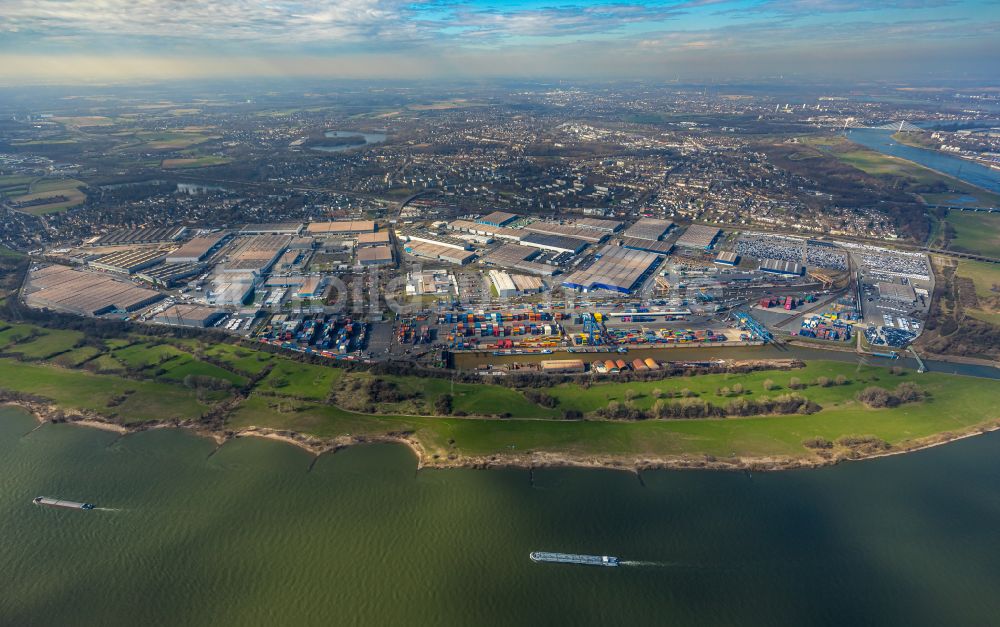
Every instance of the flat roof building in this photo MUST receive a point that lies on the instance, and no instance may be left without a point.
(592, 236)
(498, 218)
(341, 227)
(555, 243)
(183, 315)
(618, 269)
(779, 266)
(698, 236)
(129, 261)
(85, 293)
(438, 252)
(727, 258)
(272, 228)
(649, 229)
(198, 248)
(374, 255)
(896, 292)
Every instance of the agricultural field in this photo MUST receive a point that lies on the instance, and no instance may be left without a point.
(64, 194)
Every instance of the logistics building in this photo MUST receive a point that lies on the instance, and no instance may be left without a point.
(779, 266)
(698, 236)
(618, 269)
(498, 218)
(374, 255)
(190, 316)
(592, 236)
(896, 292)
(649, 229)
(439, 252)
(145, 235)
(272, 228)
(199, 248)
(341, 227)
(85, 293)
(129, 261)
(727, 258)
(555, 243)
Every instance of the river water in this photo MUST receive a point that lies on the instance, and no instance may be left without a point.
(258, 533)
(974, 173)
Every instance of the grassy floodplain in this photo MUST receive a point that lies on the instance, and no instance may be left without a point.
(975, 232)
(138, 379)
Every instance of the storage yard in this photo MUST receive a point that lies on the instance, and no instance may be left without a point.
(650, 283)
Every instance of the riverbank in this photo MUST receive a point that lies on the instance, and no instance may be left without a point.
(52, 414)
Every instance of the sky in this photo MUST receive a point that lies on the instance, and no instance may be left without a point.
(689, 40)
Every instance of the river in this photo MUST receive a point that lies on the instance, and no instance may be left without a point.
(963, 169)
(261, 533)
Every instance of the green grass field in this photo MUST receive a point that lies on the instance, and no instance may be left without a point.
(294, 396)
(975, 232)
(193, 162)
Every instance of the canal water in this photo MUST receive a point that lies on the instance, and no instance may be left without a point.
(261, 533)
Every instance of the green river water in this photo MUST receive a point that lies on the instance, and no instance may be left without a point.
(261, 533)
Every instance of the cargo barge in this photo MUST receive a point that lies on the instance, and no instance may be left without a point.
(568, 558)
(50, 502)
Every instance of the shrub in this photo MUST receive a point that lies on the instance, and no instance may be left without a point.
(657, 393)
(794, 383)
(908, 392)
(737, 388)
(768, 385)
(876, 397)
(841, 380)
(823, 382)
(443, 404)
(817, 443)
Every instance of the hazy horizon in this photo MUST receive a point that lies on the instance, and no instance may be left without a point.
(69, 41)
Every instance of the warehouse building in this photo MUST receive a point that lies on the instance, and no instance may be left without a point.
(727, 258)
(378, 238)
(145, 235)
(312, 287)
(895, 292)
(438, 252)
(169, 275)
(426, 237)
(231, 293)
(374, 255)
(618, 269)
(651, 229)
(498, 218)
(272, 228)
(199, 248)
(85, 293)
(503, 284)
(497, 232)
(592, 236)
(517, 257)
(555, 243)
(698, 236)
(781, 267)
(341, 227)
(129, 261)
(608, 226)
(650, 245)
(562, 366)
(197, 316)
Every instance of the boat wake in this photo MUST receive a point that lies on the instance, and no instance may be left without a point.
(646, 564)
(108, 509)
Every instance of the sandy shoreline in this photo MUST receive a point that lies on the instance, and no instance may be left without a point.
(540, 459)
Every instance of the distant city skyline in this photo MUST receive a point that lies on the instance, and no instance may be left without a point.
(119, 40)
